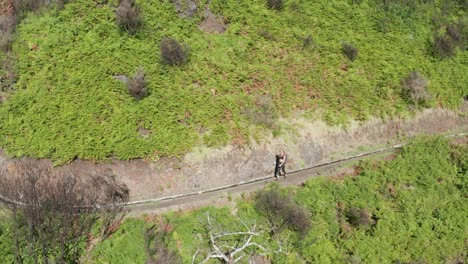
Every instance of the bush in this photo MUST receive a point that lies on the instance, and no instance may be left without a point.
(275, 4)
(444, 46)
(172, 52)
(156, 246)
(281, 209)
(128, 16)
(359, 217)
(137, 85)
(415, 84)
(455, 36)
(350, 51)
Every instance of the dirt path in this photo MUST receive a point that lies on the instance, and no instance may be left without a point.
(308, 144)
(227, 194)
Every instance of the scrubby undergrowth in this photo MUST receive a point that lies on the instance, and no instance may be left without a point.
(410, 209)
(68, 104)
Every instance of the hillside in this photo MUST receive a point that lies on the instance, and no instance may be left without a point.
(68, 101)
(407, 210)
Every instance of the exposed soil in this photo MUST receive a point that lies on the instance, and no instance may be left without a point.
(312, 143)
(212, 24)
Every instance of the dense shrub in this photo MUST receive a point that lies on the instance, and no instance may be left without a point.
(455, 36)
(172, 52)
(415, 87)
(359, 217)
(444, 46)
(156, 247)
(281, 209)
(275, 4)
(137, 85)
(128, 16)
(350, 51)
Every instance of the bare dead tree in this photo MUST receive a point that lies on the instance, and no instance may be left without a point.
(53, 211)
(231, 247)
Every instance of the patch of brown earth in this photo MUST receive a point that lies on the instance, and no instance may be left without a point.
(212, 24)
(346, 172)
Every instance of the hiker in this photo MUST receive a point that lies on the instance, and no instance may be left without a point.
(280, 163)
(277, 167)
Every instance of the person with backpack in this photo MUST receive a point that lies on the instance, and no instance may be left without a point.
(280, 164)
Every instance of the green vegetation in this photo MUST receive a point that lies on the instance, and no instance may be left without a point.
(409, 209)
(6, 243)
(125, 246)
(68, 103)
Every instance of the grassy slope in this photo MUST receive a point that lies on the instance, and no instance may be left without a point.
(67, 103)
(419, 199)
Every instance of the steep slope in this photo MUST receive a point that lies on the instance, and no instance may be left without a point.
(68, 103)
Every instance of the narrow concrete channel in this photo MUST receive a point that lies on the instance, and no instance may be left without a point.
(222, 195)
